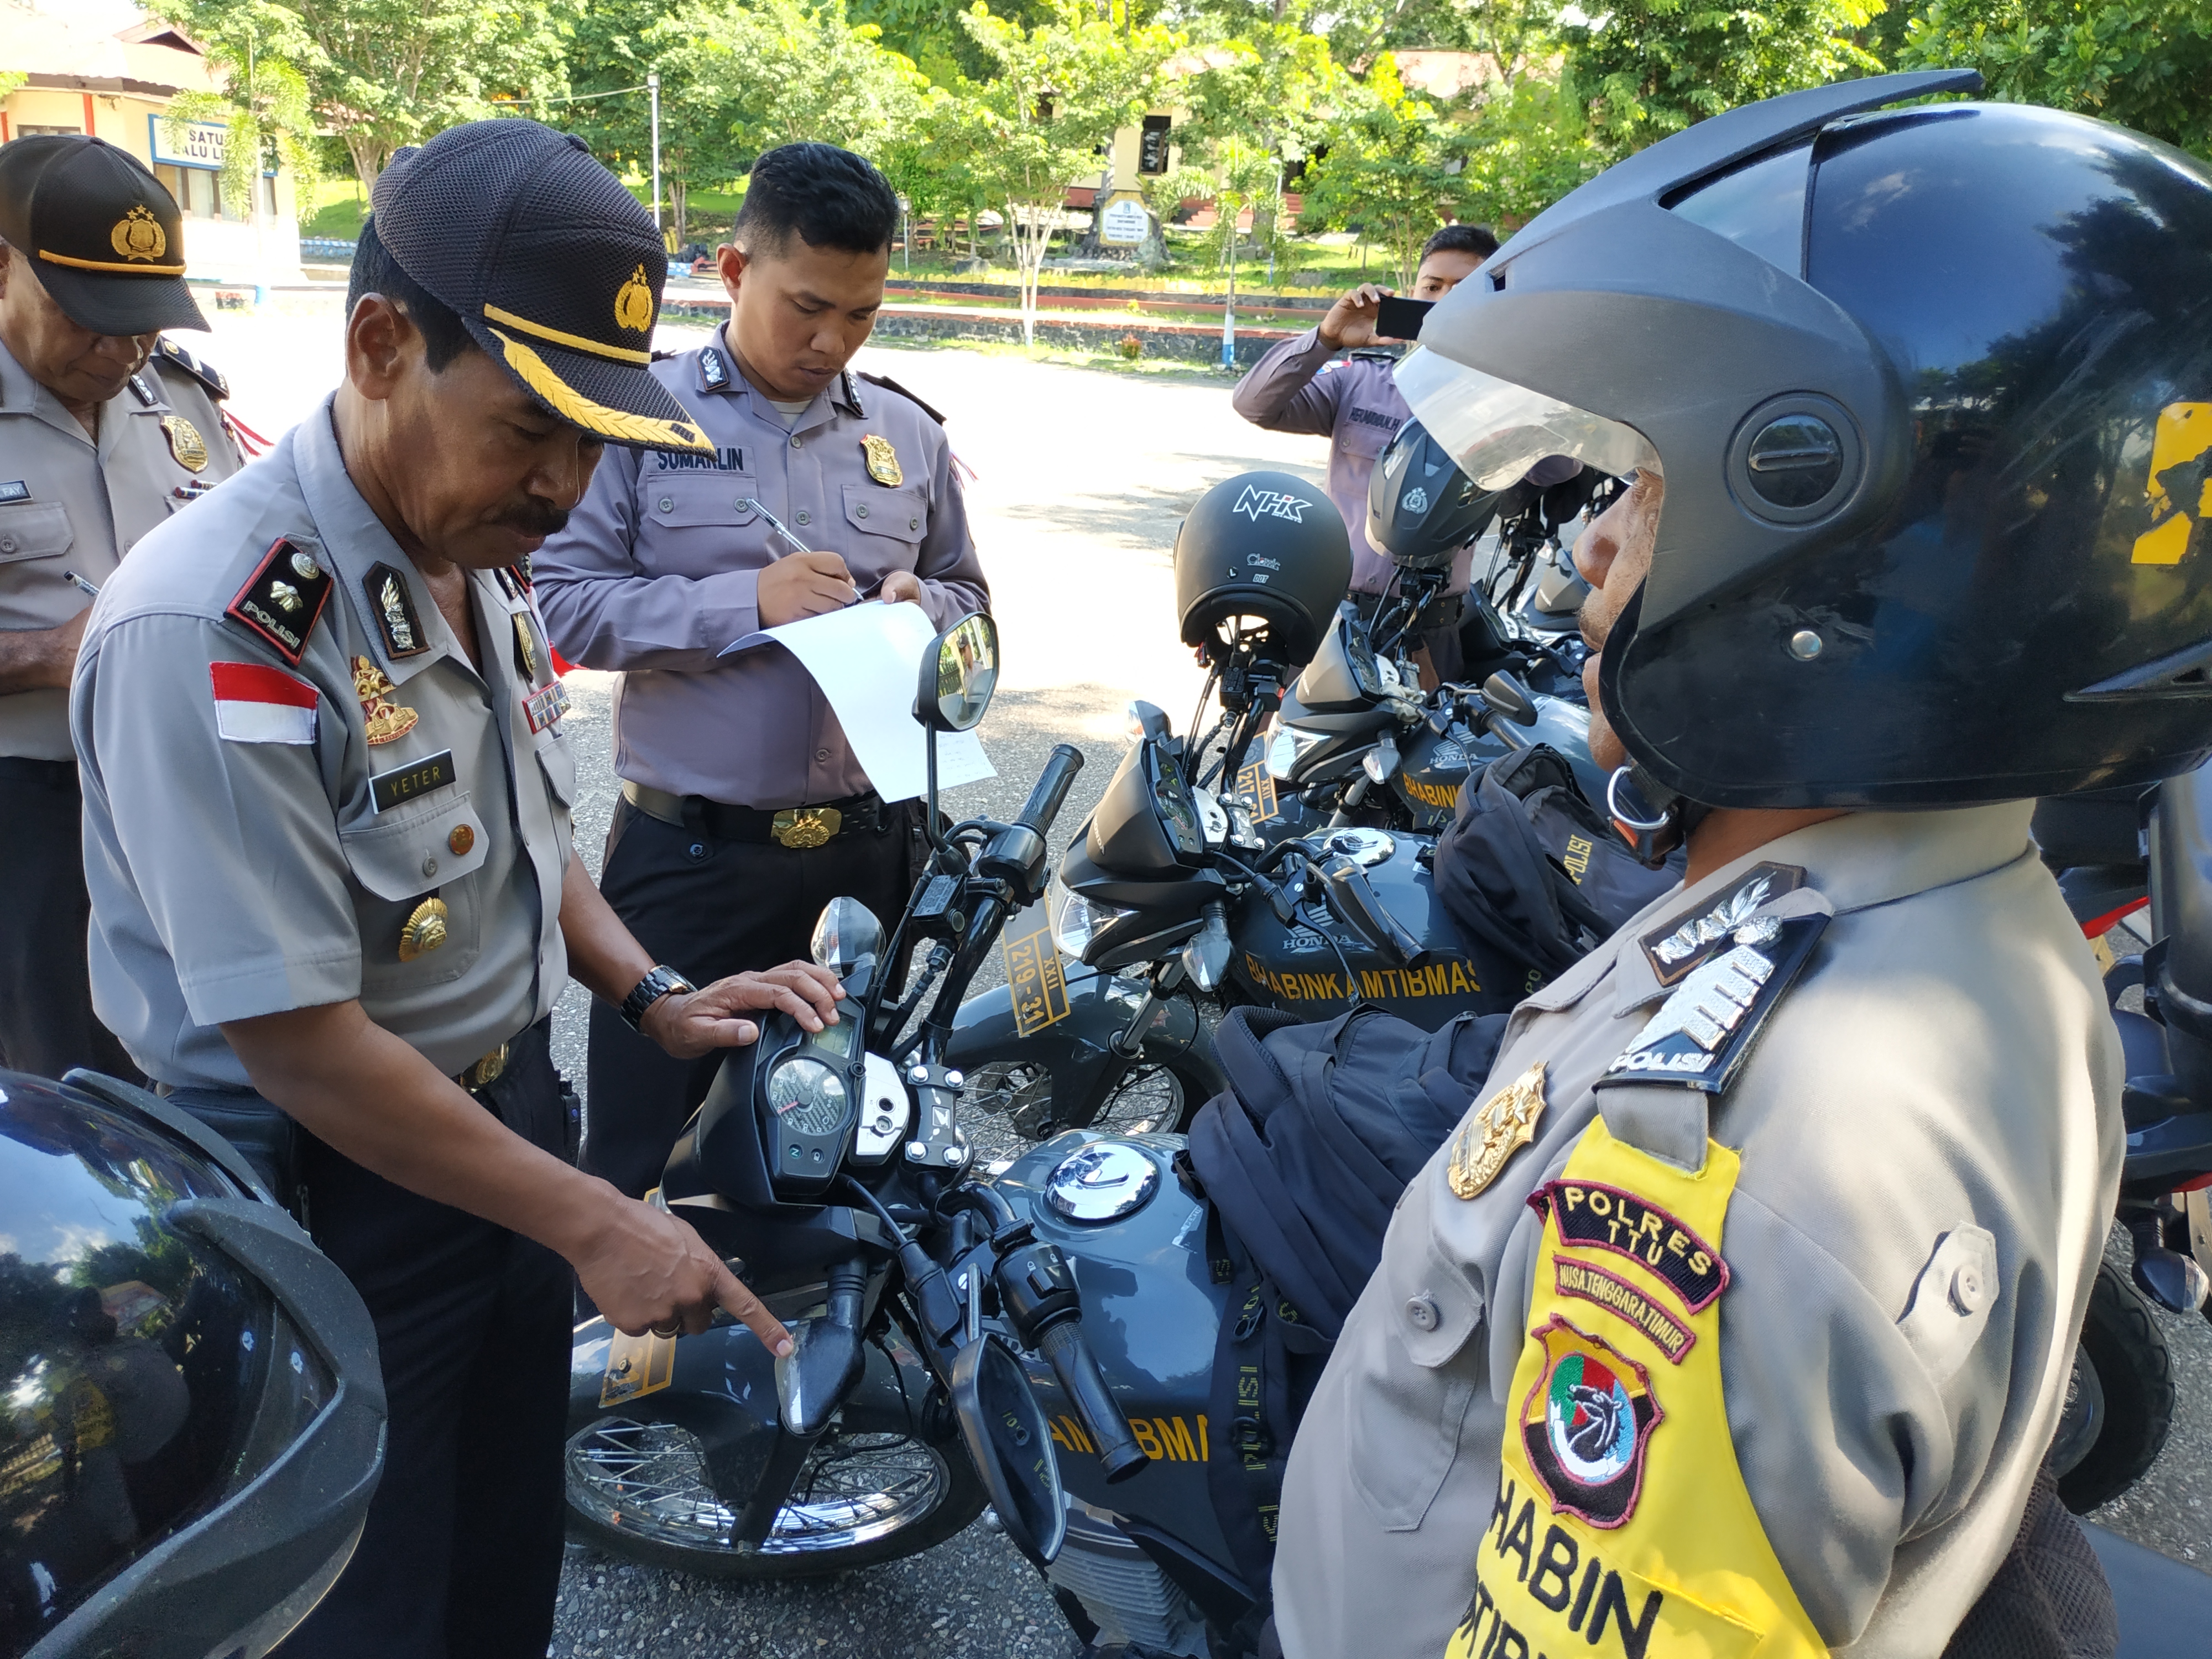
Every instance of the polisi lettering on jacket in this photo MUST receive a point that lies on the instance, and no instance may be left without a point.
(726, 458)
(1258, 504)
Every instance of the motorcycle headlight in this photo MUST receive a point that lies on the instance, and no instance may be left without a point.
(1076, 921)
(1289, 746)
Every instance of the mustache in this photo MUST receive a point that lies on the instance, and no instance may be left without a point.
(533, 518)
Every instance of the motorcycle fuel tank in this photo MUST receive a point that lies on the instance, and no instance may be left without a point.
(1151, 1312)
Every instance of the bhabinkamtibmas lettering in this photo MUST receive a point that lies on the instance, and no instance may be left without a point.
(1560, 1576)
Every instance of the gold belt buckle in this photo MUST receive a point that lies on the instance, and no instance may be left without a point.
(802, 827)
(487, 1070)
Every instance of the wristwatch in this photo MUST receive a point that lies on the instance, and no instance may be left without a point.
(661, 982)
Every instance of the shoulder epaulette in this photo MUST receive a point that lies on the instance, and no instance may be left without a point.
(1676, 950)
(1704, 1032)
(890, 384)
(283, 598)
(207, 375)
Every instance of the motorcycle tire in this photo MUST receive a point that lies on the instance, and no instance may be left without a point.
(1150, 1097)
(636, 1488)
(2121, 1405)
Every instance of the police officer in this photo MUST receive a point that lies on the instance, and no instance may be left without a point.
(1738, 1313)
(743, 811)
(327, 829)
(106, 429)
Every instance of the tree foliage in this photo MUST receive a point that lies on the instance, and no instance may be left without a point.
(1393, 167)
(261, 55)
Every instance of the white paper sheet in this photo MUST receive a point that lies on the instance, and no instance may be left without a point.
(867, 660)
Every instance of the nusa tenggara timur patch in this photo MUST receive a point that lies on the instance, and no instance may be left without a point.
(1704, 1030)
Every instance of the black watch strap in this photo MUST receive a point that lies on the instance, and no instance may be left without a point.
(663, 981)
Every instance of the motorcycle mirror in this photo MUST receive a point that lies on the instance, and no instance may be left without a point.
(1145, 721)
(1510, 698)
(1010, 1443)
(959, 671)
(845, 933)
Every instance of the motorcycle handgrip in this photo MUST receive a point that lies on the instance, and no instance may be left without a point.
(1070, 1357)
(1052, 785)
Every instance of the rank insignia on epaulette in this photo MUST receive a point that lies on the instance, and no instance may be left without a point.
(185, 443)
(1704, 1030)
(284, 599)
(1674, 950)
(714, 369)
(207, 376)
(882, 460)
(144, 393)
(394, 611)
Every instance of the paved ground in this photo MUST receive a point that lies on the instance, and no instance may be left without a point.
(1081, 479)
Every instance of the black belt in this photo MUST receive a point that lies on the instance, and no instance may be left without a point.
(798, 827)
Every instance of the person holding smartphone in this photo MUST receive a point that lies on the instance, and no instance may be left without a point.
(1301, 386)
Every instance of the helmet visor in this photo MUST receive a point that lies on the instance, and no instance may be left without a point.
(1497, 430)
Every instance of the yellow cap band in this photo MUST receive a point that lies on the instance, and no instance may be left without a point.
(573, 407)
(575, 342)
(110, 265)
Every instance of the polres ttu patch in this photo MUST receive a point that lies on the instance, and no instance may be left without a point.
(1587, 1423)
(1594, 1213)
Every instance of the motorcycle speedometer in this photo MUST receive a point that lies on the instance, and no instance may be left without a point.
(808, 1096)
(812, 1097)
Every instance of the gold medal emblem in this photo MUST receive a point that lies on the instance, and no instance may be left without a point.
(805, 827)
(525, 649)
(387, 720)
(634, 304)
(1507, 1123)
(882, 460)
(186, 445)
(138, 235)
(425, 930)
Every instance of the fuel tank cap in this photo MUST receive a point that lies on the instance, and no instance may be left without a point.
(1102, 1182)
(1365, 847)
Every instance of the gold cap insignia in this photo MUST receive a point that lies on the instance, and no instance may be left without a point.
(185, 442)
(634, 303)
(138, 235)
(425, 930)
(1507, 1123)
(882, 460)
(387, 721)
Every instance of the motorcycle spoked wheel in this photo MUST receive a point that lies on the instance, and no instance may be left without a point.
(638, 1488)
(2119, 1403)
(1150, 1097)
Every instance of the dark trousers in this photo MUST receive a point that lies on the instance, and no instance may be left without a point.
(711, 908)
(461, 1556)
(47, 1022)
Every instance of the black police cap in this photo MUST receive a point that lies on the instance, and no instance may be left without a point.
(106, 239)
(551, 265)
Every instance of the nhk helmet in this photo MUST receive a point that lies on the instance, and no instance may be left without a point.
(1265, 553)
(1931, 393)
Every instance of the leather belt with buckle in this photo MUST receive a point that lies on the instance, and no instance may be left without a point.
(796, 827)
(486, 1071)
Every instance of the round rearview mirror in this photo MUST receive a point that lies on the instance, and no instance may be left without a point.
(845, 932)
(958, 675)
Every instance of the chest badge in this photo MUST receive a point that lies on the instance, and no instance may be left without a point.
(526, 648)
(387, 721)
(425, 930)
(882, 460)
(1507, 1123)
(184, 442)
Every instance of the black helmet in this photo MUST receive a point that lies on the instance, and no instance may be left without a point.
(1421, 508)
(1932, 393)
(1267, 547)
(196, 1416)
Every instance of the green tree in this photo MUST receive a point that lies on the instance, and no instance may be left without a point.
(1057, 93)
(261, 55)
(1647, 68)
(2146, 66)
(1530, 144)
(1393, 166)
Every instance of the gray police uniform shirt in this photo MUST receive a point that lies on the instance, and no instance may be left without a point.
(71, 500)
(656, 570)
(1945, 1062)
(249, 850)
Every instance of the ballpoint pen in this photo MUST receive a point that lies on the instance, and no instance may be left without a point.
(784, 531)
(79, 582)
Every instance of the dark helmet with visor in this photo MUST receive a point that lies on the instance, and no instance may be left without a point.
(1931, 393)
(195, 1411)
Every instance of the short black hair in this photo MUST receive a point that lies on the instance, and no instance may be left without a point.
(1460, 239)
(829, 197)
(375, 272)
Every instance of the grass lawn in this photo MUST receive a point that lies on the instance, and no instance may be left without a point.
(340, 206)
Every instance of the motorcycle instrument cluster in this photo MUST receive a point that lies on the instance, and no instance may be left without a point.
(813, 1098)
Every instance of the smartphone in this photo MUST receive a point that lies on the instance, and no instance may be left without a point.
(1400, 320)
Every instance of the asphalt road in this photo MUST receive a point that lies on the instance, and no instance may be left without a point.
(1081, 478)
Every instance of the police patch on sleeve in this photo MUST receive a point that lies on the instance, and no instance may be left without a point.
(283, 598)
(1596, 1213)
(1586, 1423)
(1704, 1030)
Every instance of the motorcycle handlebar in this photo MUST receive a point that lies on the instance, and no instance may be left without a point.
(1052, 785)
(1103, 1419)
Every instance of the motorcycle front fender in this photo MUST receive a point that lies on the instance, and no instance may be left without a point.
(1077, 1049)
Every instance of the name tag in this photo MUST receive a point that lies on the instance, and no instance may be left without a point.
(404, 783)
(15, 490)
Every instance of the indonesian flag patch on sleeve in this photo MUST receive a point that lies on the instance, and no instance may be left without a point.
(256, 704)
